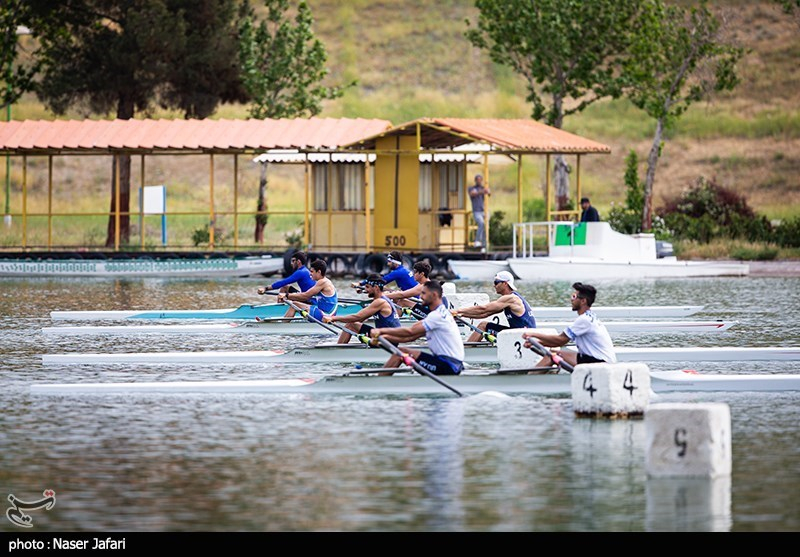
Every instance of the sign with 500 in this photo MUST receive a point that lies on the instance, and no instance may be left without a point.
(396, 238)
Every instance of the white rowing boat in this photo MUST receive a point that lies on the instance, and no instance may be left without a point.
(303, 327)
(477, 353)
(265, 311)
(143, 267)
(405, 384)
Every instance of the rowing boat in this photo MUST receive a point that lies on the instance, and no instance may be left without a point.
(477, 353)
(402, 384)
(266, 311)
(245, 311)
(300, 326)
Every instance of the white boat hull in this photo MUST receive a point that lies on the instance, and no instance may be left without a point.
(588, 270)
(477, 270)
(274, 310)
(476, 354)
(306, 328)
(217, 267)
(554, 384)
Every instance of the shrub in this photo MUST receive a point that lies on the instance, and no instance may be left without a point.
(500, 233)
(708, 210)
(534, 210)
(203, 236)
(787, 233)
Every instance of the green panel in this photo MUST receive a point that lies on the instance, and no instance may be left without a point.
(563, 234)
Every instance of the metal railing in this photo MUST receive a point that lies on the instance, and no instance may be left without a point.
(535, 238)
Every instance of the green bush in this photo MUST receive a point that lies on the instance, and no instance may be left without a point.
(203, 236)
(708, 210)
(534, 210)
(754, 254)
(500, 233)
(787, 233)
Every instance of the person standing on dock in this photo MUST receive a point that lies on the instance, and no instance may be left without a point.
(477, 195)
(587, 332)
(319, 299)
(300, 275)
(446, 346)
(382, 309)
(516, 309)
(588, 213)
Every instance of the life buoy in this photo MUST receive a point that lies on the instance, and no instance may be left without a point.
(338, 266)
(432, 260)
(374, 263)
(287, 261)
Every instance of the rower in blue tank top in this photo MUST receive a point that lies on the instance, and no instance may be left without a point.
(319, 299)
(381, 309)
(516, 309)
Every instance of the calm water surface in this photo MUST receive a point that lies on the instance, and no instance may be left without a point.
(366, 463)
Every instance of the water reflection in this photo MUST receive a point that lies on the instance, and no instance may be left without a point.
(689, 504)
(356, 463)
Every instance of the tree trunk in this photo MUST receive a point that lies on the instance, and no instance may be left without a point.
(125, 111)
(124, 202)
(652, 162)
(561, 178)
(261, 215)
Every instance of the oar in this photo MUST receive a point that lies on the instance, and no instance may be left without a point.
(409, 361)
(542, 351)
(310, 317)
(485, 334)
(363, 338)
(343, 300)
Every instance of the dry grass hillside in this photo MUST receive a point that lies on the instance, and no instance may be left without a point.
(411, 59)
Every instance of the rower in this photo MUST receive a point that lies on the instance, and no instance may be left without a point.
(300, 275)
(381, 308)
(397, 273)
(410, 298)
(441, 330)
(589, 334)
(319, 299)
(516, 309)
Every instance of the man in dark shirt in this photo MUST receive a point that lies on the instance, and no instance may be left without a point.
(589, 213)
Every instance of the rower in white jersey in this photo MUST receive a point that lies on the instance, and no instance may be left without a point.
(587, 332)
(440, 329)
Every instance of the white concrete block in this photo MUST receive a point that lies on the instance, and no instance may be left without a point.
(511, 352)
(611, 390)
(448, 288)
(688, 439)
(466, 299)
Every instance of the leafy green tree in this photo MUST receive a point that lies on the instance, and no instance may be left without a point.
(124, 57)
(678, 56)
(17, 79)
(565, 50)
(282, 68)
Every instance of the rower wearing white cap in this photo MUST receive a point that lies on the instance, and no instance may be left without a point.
(516, 309)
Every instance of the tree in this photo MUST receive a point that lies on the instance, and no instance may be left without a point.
(126, 56)
(17, 78)
(282, 66)
(677, 57)
(563, 49)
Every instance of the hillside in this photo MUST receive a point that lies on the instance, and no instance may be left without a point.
(411, 59)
